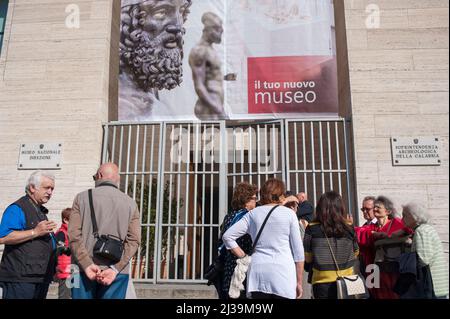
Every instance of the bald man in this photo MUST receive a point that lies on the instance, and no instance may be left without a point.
(117, 215)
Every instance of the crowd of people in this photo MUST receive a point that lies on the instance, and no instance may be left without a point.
(399, 258)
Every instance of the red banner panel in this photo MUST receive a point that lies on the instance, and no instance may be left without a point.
(300, 84)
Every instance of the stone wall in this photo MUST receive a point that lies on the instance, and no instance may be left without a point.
(399, 87)
(54, 87)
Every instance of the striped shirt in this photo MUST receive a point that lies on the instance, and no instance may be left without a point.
(428, 245)
(318, 254)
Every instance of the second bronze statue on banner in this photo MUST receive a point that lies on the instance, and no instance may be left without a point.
(207, 71)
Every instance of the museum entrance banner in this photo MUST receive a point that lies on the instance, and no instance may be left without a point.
(233, 59)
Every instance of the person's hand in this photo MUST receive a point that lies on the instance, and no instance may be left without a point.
(92, 271)
(299, 290)
(45, 227)
(304, 223)
(106, 277)
(350, 219)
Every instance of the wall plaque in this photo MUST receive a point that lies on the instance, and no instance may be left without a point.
(40, 156)
(416, 151)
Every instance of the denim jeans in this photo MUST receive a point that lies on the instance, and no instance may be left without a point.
(93, 290)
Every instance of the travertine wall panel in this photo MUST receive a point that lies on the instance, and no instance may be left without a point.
(433, 102)
(399, 87)
(391, 19)
(430, 59)
(398, 125)
(385, 103)
(54, 87)
(398, 4)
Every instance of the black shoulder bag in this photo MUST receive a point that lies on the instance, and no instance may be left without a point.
(107, 246)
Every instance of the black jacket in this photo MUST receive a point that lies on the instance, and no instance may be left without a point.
(305, 211)
(415, 281)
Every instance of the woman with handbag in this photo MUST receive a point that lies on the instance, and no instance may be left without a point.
(276, 267)
(330, 246)
(243, 201)
(368, 236)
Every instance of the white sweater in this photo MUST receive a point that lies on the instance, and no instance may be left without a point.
(272, 269)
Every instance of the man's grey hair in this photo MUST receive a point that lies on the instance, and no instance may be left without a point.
(388, 204)
(367, 198)
(35, 179)
(418, 212)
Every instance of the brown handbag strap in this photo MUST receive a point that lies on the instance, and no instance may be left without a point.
(332, 254)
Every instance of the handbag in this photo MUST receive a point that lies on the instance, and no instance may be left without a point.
(214, 270)
(348, 287)
(388, 252)
(108, 247)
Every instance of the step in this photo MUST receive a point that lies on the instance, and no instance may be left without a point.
(161, 291)
(174, 291)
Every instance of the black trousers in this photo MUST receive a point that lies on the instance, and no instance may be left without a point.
(325, 291)
(23, 290)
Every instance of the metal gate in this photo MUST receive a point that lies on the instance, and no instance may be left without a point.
(182, 175)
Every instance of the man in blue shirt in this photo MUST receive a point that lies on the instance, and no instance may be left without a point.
(27, 264)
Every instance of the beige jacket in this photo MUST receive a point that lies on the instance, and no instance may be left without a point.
(116, 214)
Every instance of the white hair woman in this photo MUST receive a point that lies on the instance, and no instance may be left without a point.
(428, 245)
